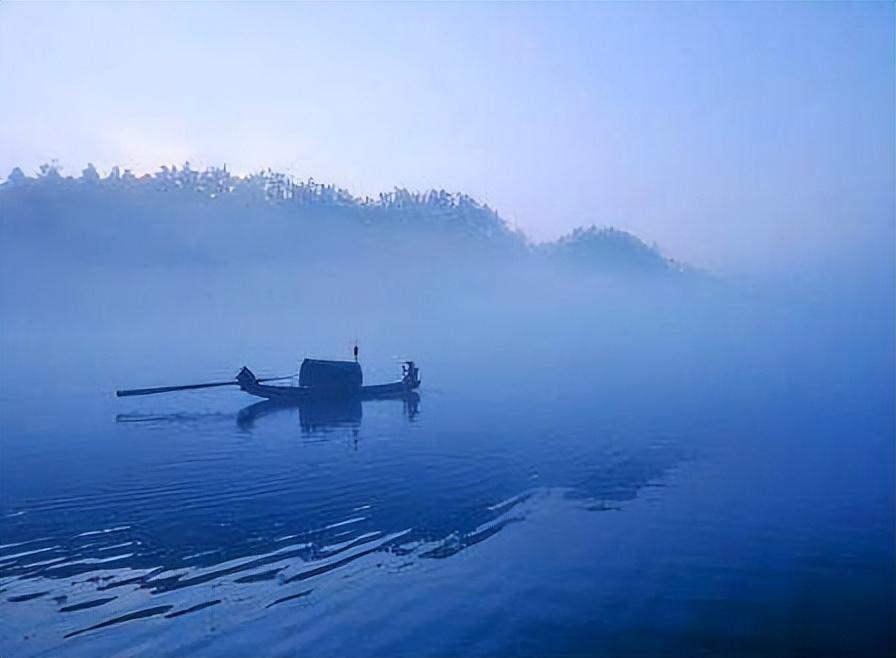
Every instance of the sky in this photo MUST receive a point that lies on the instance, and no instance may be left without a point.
(736, 136)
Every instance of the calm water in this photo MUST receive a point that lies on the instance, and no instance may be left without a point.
(526, 507)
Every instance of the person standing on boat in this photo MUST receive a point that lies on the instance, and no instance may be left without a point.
(409, 373)
(356, 351)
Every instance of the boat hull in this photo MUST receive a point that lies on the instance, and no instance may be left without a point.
(249, 383)
(296, 393)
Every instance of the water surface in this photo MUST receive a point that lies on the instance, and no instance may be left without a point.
(528, 503)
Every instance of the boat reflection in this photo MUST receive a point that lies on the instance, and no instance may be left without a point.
(323, 414)
(316, 415)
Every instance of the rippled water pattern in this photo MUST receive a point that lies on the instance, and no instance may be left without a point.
(503, 518)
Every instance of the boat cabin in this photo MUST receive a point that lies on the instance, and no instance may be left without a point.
(334, 376)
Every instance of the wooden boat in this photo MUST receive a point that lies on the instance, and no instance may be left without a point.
(317, 378)
(335, 387)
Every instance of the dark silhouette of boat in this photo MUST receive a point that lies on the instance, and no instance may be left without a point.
(331, 379)
(317, 379)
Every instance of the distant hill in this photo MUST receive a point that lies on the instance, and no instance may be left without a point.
(606, 248)
(185, 216)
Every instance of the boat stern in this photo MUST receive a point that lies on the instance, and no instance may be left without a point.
(411, 375)
(246, 379)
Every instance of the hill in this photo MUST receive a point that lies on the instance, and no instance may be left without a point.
(184, 216)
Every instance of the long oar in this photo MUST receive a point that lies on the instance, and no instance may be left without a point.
(187, 387)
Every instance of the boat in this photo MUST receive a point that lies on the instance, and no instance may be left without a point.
(340, 379)
(317, 378)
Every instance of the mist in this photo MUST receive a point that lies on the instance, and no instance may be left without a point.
(563, 381)
(751, 141)
(231, 268)
(641, 256)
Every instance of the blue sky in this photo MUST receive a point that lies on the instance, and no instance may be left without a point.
(736, 136)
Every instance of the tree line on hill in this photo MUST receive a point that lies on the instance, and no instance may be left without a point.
(177, 205)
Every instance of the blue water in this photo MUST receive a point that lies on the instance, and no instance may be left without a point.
(526, 505)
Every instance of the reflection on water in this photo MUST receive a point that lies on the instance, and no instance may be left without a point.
(270, 519)
(189, 525)
(316, 415)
